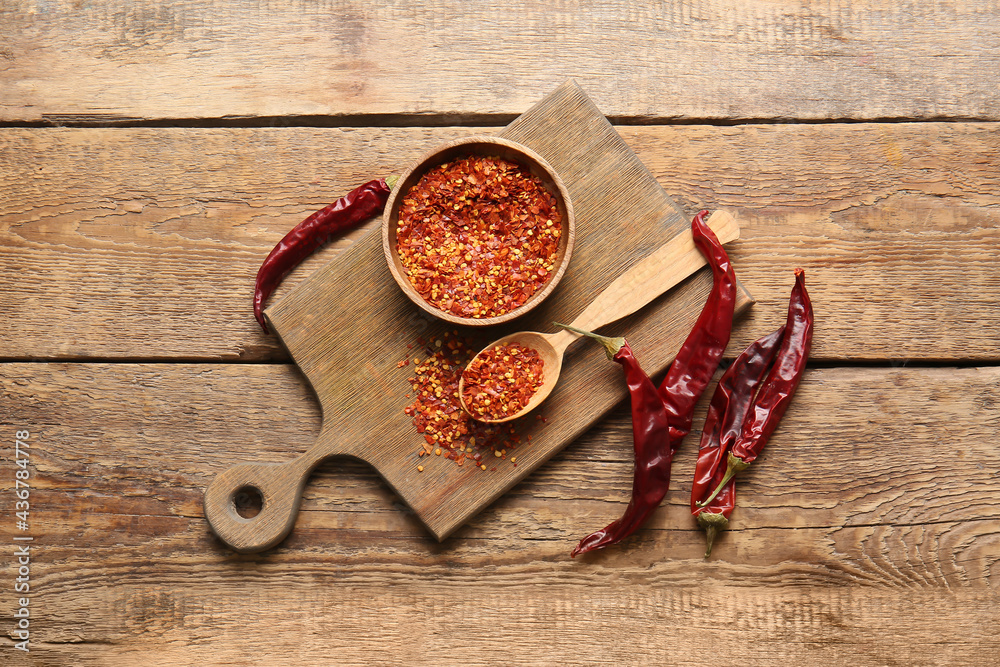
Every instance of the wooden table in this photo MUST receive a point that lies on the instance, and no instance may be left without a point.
(152, 153)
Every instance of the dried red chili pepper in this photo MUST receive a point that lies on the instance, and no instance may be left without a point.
(777, 390)
(699, 356)
(650, 431)
(726, 413)
(342, 215)
(686, 379)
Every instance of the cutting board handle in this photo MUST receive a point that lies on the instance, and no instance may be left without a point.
(278, 488)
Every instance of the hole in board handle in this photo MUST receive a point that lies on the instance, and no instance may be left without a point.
(248, 501)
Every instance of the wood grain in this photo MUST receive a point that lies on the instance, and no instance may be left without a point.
(446, 60)
(332, 621)
(864, 535)
(145, 242)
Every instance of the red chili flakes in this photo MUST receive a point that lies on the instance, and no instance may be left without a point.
(478, 236)
(501, 380)
(437, 413)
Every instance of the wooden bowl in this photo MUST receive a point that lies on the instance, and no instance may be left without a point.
(493, 147)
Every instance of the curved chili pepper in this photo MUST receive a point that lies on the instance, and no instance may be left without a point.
(776, 393)
(687, 378)
(342, 215)
(699, 356)
(650, 431)
(730, 404)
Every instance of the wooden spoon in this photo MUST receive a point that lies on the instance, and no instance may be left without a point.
(669, 264)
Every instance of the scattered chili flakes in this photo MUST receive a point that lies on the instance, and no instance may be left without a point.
(501, 381)
(478, 236)
(438, 415)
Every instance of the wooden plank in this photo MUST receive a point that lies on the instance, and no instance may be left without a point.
(445, 60)
(158, 433)
(276, 619)
(861, 534)
(143, 243)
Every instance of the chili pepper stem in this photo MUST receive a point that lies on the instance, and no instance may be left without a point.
(611, 345)
(391, 181)
(713, 524)
(734, 466)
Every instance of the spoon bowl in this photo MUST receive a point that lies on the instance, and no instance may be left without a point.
(550, 347)
(665, 267)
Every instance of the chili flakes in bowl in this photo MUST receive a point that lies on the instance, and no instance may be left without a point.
(478, 235)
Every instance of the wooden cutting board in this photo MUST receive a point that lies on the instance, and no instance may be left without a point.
(348, 326)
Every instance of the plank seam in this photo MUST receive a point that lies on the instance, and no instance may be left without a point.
(442, 120)
(820, 364)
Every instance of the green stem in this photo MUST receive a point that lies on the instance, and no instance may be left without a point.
(391, 181)
(734, 465)
(611, 345)
(713, 524)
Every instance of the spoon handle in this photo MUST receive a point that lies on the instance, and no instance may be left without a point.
(669, 264)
